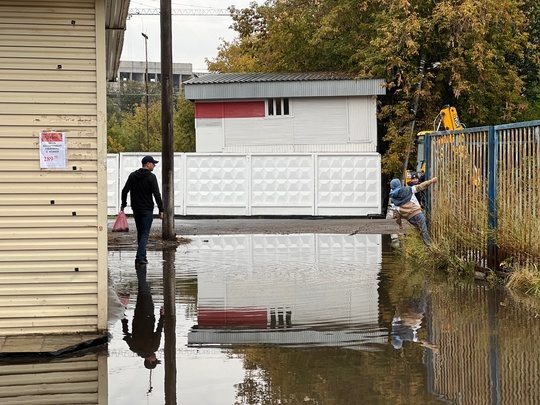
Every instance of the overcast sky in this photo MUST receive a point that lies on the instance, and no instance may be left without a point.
(194, 37)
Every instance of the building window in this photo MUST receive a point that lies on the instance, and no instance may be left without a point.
(278, 106)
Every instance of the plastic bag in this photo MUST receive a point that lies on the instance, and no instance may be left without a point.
(121, 224)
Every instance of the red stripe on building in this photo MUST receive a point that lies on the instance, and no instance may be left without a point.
(232, 317)
(232, 109)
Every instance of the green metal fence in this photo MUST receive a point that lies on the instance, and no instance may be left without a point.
(486, 203)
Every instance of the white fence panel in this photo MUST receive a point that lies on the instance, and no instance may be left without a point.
(327, 184)
(282, 184)
(113, 186)
(348, 184)
(129, 162)
(216, 184)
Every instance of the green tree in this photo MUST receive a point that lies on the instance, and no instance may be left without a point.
(129, 132)
(126, 96)
(484, 52)
(184, 125)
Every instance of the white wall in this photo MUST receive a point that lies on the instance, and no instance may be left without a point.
(330, 184)
(313, 122)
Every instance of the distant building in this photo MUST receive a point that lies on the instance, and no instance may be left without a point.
(132, 70)
(284, 112)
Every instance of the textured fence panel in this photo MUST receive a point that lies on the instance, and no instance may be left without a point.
(282, 184)
(341, 184)
(113, 186)
(216, 184)
(348, 184)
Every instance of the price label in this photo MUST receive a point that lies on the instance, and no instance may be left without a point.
(52, 150)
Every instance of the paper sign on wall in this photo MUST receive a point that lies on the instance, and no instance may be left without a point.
(52, 150)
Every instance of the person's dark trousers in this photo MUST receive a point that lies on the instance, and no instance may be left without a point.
(419, 222)
(143, 222)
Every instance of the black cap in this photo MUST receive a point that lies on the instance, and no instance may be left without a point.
(151, 364)
(150, 159)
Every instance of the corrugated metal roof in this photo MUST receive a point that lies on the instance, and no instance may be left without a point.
(115, 26)
(264, 85)
(268, 77)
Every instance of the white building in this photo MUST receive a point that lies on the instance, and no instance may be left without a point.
(284, 112)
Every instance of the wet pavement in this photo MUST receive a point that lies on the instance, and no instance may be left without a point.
(301, 318)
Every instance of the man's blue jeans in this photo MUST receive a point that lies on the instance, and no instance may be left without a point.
(143, 222)
(419, 222)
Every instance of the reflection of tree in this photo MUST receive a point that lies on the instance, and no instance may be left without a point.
(187, 290)
(332, 375)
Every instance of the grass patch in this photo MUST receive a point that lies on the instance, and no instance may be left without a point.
(438, 256)
(525, 279)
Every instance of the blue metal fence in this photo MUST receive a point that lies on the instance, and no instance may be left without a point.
(486, 204)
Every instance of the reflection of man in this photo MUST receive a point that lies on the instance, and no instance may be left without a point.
(143, 340)
(407, 321)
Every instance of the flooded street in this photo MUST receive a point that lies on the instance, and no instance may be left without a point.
(292, 319)
(321, 319)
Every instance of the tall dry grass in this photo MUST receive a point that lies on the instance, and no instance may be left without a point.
(459, 219)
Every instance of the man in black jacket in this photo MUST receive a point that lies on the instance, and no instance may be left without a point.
(143, 186)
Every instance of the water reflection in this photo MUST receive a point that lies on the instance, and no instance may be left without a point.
(407, 321)
(295, 290)
(321, 319)
(74, 379)
(169, 293)
(143, 339)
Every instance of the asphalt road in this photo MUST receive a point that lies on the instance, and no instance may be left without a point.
(249, 225)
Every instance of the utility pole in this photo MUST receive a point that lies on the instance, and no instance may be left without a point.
(146, 92)
(414, 111)
(167, 144)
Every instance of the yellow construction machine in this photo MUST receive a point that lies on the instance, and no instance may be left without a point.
(447, 120)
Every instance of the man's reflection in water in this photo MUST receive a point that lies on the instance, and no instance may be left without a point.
(408, 321)
(143, 340)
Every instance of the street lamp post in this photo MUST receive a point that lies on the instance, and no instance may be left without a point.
(146, 89)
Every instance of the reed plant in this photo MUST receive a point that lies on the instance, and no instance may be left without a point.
(525, 279)
(518, 209)
(440, 256)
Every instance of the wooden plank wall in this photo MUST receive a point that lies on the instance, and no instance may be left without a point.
(51, 64)
(71, 381)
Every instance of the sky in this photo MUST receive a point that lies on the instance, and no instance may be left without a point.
(194, 37)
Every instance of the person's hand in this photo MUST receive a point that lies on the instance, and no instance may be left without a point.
(161, 215)
(434, 180)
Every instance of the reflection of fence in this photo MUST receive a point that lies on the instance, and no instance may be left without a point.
(488, 353)
(331, 184)
(487, 202)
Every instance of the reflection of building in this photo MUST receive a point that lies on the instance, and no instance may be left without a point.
(295, 289)
(70, 380)
(132, 70)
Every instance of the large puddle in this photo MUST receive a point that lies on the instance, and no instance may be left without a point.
(298, 319)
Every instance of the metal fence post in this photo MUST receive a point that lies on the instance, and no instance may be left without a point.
(493, 175)
(427, 159)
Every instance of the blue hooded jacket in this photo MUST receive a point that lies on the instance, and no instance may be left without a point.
(400, 195)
